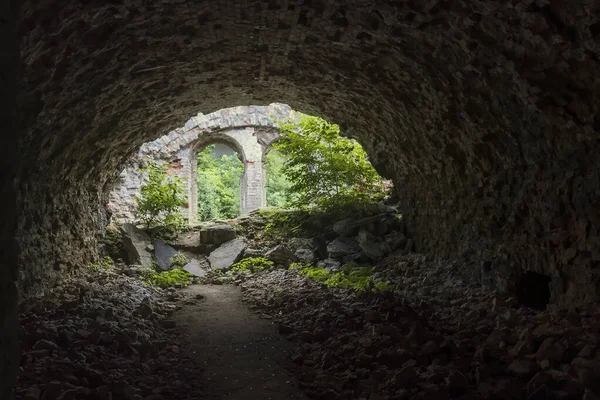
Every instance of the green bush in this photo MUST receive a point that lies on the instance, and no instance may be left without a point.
(218, 185)
(351, 276)
(252, 265)
(278, 184)
(179, 261)
(161, 197)
(326, 170)
(172, 277)
(284, 223)
(169, 278)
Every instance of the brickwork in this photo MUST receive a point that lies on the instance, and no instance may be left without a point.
(484, 113)
(248, 130)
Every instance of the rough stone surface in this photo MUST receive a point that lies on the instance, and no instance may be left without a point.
(227, 254)
(135, 243)
(163, 253)
(217, 234)
(281, 255)
(484, 114)
(342, 246)
(194, 268)
(249, 130)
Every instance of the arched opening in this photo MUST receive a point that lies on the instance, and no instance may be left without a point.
(276, 182)
(200, 181)
(219, 176)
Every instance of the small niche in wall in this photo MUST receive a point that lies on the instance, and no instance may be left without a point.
(533, 290)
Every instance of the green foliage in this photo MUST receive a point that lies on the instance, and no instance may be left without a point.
(284, 223)
(179, 260)
(326, 170)
(351, 276)
(218, 185)
(160, 198)
(168, 278)
(278, 184)
(173, 277)
(112, 243)
(252, 265)
(104, 264)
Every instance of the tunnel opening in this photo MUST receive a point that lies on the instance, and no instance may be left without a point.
(533, 290)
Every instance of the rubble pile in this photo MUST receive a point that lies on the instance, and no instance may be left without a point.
(434, 337)
(103, 336)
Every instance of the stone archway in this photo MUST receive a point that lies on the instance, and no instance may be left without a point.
(248, 130)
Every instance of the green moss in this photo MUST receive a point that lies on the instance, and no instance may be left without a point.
(352, 275)
(104, 264)
(168, 278)
(252, 265)
(112, 243)
(173, 277)
(284, 223)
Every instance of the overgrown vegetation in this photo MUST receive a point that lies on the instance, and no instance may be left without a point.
(326, 170)
(278, 184)
(218, 185)
(104, 264)
(252, 265)
(161, 197)
(352, 275)
(173, 277)
(284, 223)
(112, 244)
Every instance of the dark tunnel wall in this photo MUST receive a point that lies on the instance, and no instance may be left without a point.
(483, 113)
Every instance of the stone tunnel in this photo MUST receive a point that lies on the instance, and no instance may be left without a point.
(249, 130)
(484, 114)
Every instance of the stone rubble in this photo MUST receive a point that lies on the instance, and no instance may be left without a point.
(103, 336)
(434, 338)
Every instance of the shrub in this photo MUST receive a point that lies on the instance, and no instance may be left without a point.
(172, 277)
(218, 185)
(169, 278)
(352, 275)
(326, 170)
(160, 198)
(284, 223)
(179, 260)
(252, 265)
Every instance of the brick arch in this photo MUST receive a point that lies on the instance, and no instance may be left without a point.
(249, 130)
(252, 184)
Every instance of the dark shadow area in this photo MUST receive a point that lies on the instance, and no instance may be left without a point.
(533, 290)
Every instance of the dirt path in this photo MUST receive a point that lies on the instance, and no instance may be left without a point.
(243, 356)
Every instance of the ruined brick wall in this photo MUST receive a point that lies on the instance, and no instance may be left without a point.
(485, 114)
(247, 129)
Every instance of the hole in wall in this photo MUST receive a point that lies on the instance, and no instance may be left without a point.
(533, 290)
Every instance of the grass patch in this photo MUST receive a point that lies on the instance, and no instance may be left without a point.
(352, 275)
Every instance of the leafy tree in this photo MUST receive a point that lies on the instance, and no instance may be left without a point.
(218, 185)
(278, 183)
(160, 197)
(326, 170)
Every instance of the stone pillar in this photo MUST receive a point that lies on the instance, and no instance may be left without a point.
(252, 187)
(9, 164)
